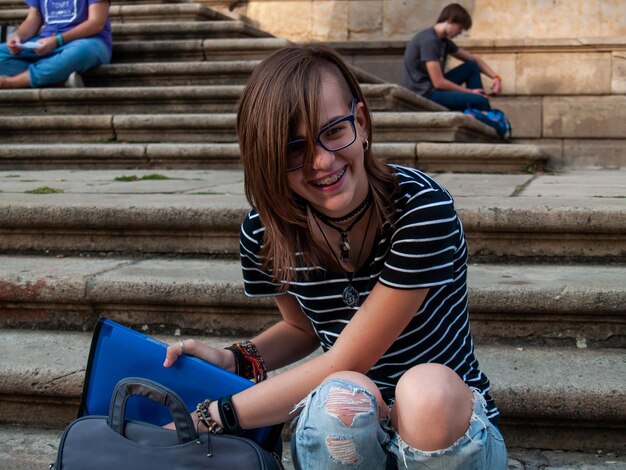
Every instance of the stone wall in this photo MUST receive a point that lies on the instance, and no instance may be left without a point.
(563, 62)
(567, 95)
(348, 20)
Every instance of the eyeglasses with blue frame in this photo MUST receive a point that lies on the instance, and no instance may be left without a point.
(335, 136)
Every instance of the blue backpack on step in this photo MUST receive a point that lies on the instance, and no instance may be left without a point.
(493, 118)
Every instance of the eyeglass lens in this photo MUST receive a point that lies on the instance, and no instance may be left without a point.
(335, 136)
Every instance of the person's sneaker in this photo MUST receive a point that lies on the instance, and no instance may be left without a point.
(74, 81)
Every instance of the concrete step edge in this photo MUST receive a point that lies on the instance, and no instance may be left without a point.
(379, 95)
(552, 305)
(382, 120)
(555, 383)
(551, 289)
(499, 159)
(201, 217)
(174, 29)
(551, 215)
(33, 448)
(229, 45)
(411, 150)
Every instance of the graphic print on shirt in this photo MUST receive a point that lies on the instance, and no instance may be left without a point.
(60, 11)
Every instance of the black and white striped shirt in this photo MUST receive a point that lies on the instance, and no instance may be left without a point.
(426, 248)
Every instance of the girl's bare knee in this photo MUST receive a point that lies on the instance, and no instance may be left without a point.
(433, 407)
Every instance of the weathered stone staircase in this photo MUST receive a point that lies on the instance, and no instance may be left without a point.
(124, 200)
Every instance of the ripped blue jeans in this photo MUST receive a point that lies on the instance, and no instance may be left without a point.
(322, 441)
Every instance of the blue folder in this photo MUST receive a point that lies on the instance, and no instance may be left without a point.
(118, 352)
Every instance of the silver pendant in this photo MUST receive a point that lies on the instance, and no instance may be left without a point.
(350, 296)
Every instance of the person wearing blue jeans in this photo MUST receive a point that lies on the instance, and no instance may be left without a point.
(75, 37)
(363, 259)
(380, 446)
(425, 60)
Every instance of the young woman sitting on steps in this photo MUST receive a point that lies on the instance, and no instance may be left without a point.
(368, 261)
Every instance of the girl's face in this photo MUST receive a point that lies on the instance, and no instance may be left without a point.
(335, 182)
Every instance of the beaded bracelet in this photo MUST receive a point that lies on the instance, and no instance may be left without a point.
(248, 361)
(59, 40)
(497, 77)
(239, 359)
(204, 416)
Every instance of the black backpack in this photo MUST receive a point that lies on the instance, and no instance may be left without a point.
(113, 442)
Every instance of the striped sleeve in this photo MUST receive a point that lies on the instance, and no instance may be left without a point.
(257, 280)
(426, 236)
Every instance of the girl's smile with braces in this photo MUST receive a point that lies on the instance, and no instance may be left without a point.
(331, 179)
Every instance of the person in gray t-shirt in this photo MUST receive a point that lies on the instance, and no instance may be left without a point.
(425, 60)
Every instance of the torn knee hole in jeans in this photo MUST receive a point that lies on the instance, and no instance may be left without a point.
(346, 404)
(343, 450)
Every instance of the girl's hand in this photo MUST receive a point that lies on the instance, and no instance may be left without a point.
(47, 45)
(220, 357)
(14, 44)
(478, 91)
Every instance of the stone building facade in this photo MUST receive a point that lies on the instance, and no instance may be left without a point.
(563, 62)
(388, 20)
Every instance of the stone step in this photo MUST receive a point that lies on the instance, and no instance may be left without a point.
(580, 306)
(159, 12)
(432, 157)
(220, 128)
(174, 30)
(578, 122)
(15, 157)
(572, 216)
(190, 50)
(219, 72)
(574, 397)
(171, 99)
(202, 72)
(31, 448)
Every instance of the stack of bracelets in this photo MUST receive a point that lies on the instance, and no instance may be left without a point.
(204, 417)
(248, 361)
(248, 364)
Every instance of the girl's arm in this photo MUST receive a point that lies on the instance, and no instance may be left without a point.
(29, 28)
(372, 330)
(96, 19)
(289, 340)
(282, 344)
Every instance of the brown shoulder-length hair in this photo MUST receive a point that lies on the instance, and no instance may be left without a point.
(455, 13)
(282, 92)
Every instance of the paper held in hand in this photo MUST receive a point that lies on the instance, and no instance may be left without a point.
(30, 45)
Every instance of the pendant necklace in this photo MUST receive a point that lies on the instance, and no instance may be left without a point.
(350, 295)
(344, 241)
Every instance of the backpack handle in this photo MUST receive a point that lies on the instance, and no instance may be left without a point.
(137, 386)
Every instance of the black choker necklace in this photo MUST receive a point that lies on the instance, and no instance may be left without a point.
(358, 213)
(350, 295)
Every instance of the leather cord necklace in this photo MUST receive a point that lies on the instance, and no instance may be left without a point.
(344, 241)
(350, 295)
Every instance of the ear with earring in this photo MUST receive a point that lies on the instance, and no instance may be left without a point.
(366, 145)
